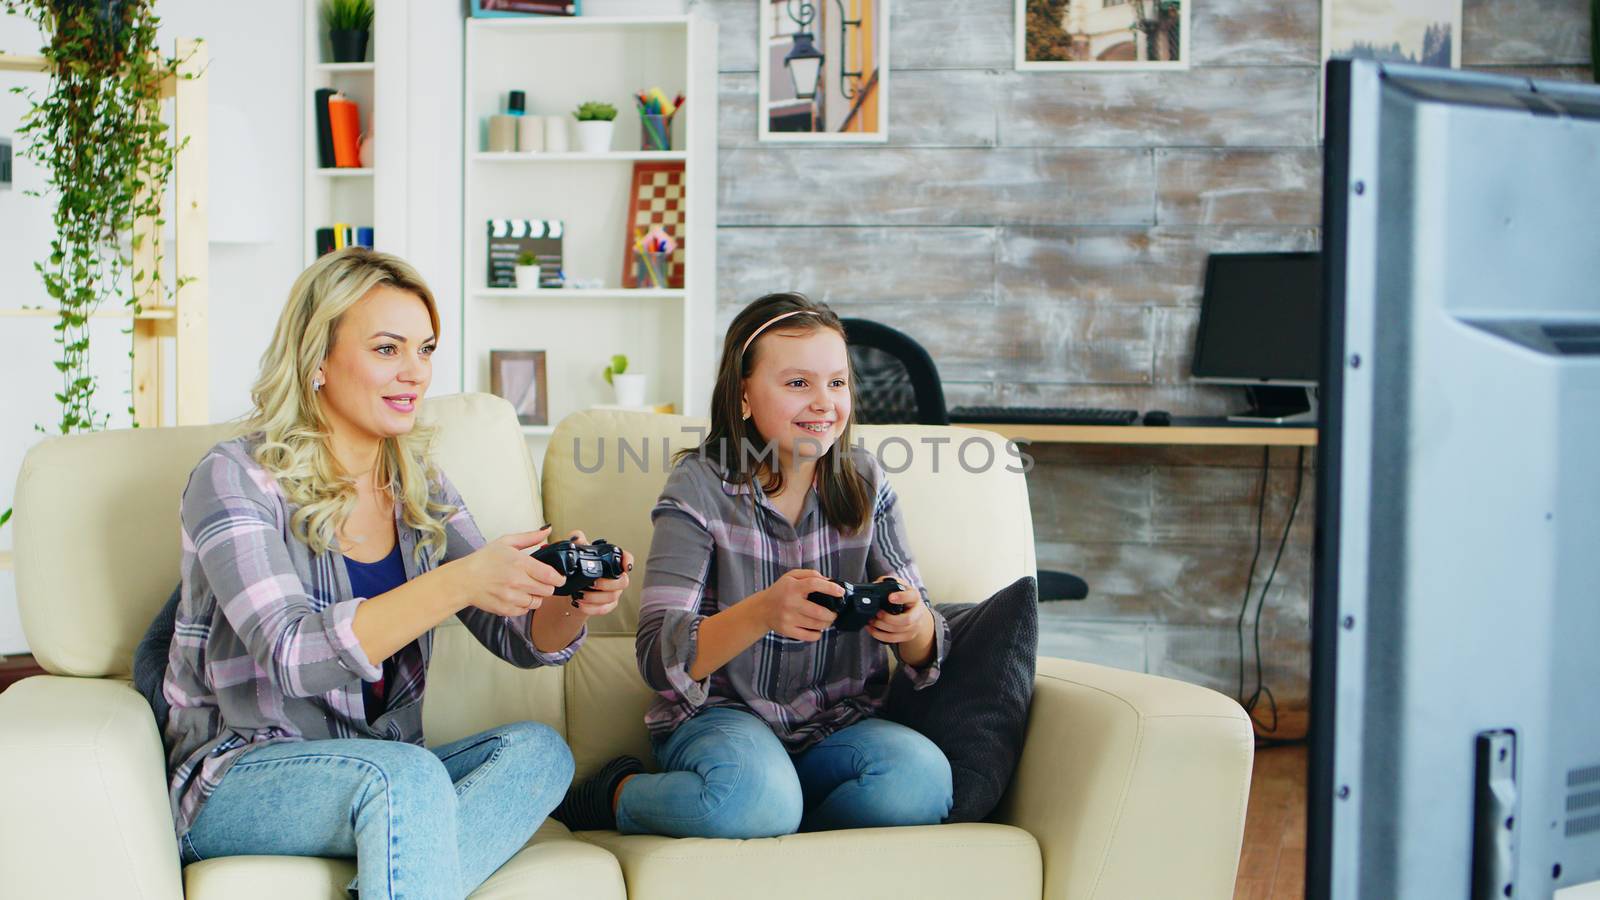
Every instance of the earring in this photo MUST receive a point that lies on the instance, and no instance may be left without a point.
(316, 385)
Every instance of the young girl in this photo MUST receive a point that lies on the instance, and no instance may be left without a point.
(766, 717)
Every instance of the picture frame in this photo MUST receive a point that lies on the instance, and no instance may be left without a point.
(1114, 35)
(519, 377)
(1408, 31)
(1405, 31)
(657, 198)
(846, 45)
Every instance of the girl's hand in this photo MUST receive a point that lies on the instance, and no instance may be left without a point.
(787, 610)
(501, 578)
(909, 625)
(602, 597)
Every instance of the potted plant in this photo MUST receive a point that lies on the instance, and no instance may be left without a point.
(527, 270)
(349, 25)
(630, 388)
(595, 123)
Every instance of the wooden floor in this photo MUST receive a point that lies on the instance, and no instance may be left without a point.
(1272, 865)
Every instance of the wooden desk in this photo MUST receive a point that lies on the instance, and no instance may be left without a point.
(1219, 436)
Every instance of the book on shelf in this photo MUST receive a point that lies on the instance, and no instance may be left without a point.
(510, 238)
(325, 158)
(341, 235)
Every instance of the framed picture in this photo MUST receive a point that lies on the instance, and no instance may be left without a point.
(824, 71)
(656, 200)
(1424, 32)
(518, 376)
(1102, 35)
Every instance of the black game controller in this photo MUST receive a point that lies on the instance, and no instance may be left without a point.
(860, 603)
(582, 564)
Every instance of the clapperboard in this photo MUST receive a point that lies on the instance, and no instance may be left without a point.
(510, 238)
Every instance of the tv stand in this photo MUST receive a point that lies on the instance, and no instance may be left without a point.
(1279, 405)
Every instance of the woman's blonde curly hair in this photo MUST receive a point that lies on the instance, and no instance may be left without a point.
(288, 412)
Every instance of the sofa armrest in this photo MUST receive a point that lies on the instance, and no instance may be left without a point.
(1133, 785)
(83, 793)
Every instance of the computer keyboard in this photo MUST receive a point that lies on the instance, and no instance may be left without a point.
(1043, 415)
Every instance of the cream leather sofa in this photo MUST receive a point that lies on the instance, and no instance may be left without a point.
(1130, 787)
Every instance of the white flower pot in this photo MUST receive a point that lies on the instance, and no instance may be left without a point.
(630, 389)
(527, 277)
(595, 136)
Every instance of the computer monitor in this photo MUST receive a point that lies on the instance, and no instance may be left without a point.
(1261, 326)
(1455, 717)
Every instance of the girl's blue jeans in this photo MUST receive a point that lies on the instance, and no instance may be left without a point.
(726, 775)
(420, 823)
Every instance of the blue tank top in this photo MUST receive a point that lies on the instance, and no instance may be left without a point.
(370, 580)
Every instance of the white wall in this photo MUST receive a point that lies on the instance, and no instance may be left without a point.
(256, 135)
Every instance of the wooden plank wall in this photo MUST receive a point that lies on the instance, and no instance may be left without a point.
(1043, 235)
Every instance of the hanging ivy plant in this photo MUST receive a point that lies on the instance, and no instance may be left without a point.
(98, 136)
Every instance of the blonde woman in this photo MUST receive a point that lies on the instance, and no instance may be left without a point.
(320, 549)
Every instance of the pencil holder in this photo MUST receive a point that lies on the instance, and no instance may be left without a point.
(655, 131)
(650, 268)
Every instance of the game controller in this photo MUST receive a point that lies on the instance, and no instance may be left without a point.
(582, 564)
(860, 603)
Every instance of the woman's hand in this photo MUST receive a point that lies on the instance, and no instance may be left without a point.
(787, 609)
(913, 624)
(601, 597)
(501, 578)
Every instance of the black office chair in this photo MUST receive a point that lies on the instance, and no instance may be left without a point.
(896, 380)
(897, 383)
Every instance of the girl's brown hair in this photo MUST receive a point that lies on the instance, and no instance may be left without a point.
(843, 491)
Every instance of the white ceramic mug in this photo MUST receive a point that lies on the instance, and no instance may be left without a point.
(555, 134)
(530, 134)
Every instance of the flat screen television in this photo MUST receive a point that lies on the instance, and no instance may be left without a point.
(1456, 612)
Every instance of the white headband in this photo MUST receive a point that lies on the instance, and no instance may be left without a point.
(769, 323)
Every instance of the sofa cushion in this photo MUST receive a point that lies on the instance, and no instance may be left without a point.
(470, 690)
(977, 712)
(606, 703)
(941, 474)
(975, 860)
(96, 531)
(553, 864)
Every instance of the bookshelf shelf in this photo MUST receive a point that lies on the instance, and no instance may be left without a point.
(558, 63)
(344, 173)
(561, 158)
(365, 68)
(559, 294)
(568, 25)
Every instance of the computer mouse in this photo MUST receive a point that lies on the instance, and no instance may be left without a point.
(1158, 417)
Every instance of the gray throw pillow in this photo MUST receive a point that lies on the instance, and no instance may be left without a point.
(150, 658)
(977, 712)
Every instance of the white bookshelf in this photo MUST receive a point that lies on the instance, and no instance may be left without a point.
(559, 63)
(372, 196)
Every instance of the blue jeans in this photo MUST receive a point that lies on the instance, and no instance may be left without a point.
(420, 823)
(726, 775)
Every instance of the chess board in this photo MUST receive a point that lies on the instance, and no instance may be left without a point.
(656, 201)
